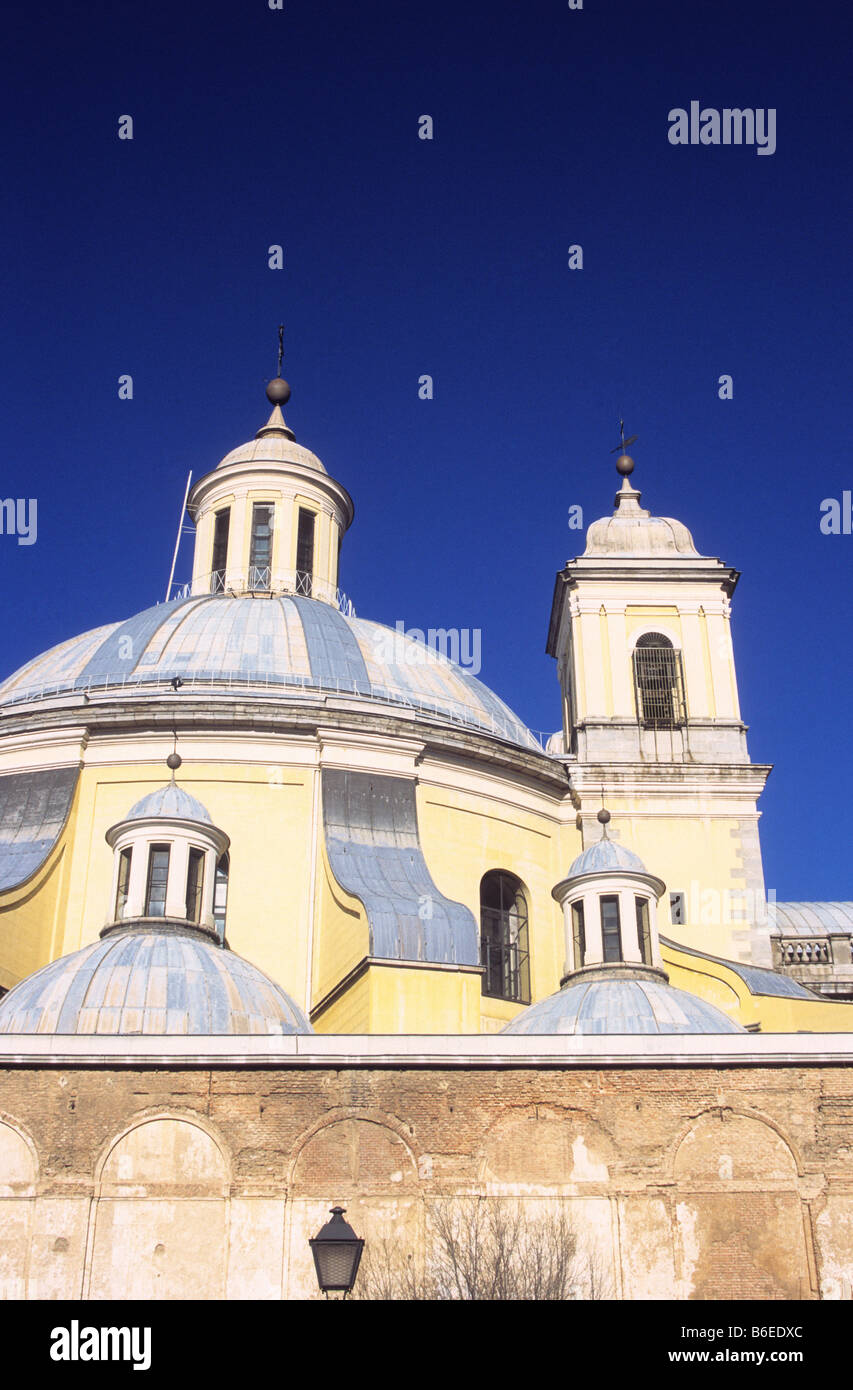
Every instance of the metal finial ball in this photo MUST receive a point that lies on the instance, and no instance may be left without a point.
(174, 761)
(278, 391)
(603, 817)
(624, 465)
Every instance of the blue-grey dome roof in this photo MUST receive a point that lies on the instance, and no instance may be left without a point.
(151, 980)
(283, 645)
(622, 1006)
(606, 854)
(172, 802)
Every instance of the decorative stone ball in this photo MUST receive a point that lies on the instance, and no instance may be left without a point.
(624, 465)
(278, 391)
(174, 761)
(603, 817)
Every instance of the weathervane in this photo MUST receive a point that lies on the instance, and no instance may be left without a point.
(624, 463)
(620, 448)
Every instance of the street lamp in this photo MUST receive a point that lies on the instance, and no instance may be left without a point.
(337, 1254)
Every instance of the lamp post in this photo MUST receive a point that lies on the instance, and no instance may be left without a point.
(337, 1254)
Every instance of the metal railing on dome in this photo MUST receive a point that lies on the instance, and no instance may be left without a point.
(278, 687)
(260, 581)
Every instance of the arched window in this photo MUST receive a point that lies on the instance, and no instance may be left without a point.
(158, 877)
(659, 683)
(220, 895)
(123, 885)
(503, 937)
(644, 938)
(195, 884)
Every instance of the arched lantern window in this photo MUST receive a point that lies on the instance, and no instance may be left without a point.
(659, 683)
(504, 937)
(220, 894)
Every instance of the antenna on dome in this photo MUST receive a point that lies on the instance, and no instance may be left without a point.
(178, 537)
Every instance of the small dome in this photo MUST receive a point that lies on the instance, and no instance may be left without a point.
(151, 980)
(605, 855)
(622, 1006)
(273, 448)
(631, 530)
(172, 803)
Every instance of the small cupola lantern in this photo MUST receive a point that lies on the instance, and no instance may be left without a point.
(167, 851)
(609, 902)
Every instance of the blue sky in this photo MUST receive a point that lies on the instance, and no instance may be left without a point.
(300, 127)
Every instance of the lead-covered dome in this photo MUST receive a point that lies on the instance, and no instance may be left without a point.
(151, 979)
(633, 531)
(607, 856)
(283, 645)
(622, 1006)
(171, 803)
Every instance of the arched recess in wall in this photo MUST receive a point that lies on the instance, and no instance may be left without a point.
(555, 1167)
(739, 1220)
(361, 1160)
(160, 1215)
(18, 1180)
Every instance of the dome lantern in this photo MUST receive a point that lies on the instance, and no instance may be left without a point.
(269, 519)
(167, 852)
(609, 902)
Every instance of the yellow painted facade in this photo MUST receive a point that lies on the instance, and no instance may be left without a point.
(683, 797)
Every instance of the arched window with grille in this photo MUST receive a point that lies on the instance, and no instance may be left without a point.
(504, 937)
(659, 683)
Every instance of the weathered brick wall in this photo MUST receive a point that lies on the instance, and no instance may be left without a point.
(726, 1182)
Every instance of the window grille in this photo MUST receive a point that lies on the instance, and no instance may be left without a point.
(659, 683)
(504, 938)
(260, 554)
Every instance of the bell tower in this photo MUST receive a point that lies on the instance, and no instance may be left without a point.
(640, 629)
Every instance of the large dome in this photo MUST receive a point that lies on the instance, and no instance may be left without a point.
(151, 980)
(622, 1006)
(283, 645)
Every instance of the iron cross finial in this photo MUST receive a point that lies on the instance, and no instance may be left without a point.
(280, 346)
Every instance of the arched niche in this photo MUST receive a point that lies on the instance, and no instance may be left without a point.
(739, 1227)
(161, 1214)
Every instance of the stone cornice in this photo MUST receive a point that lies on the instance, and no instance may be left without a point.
(433, 1051)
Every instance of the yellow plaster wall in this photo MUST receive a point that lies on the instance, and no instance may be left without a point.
(270, 827)
(416, 999)
(342, 935)
(29, 918)
(464, 836)
(349, 1013)
(714, 981)
(698, 855)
